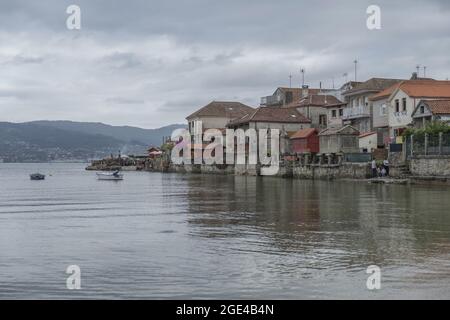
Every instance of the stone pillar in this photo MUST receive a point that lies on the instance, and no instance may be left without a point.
(329, 158)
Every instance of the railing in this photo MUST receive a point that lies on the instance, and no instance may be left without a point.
(428, 144)
(356, 112)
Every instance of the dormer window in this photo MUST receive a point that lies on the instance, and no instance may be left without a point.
(422, 109)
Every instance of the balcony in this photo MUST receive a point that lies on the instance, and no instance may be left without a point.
(356, 112)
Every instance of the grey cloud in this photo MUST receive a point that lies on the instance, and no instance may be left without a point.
(122, 100)
(151, 63)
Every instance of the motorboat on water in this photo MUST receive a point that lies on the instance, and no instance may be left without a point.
(116, 175)
(37, 176)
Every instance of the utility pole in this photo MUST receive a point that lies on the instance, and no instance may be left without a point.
(290, 81)
(356, 69)
(418, 69)
(303, 76)
(424, 71)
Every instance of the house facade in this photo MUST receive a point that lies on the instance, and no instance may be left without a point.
(428, 111)
(287, 120)
(339, 140)
(358, 112)
(405, 99)
(380, 115)
(368, 142)
(216, 115)
(305, 141)
(323, 110)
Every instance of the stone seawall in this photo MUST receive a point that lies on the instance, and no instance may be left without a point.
(330, 172)
(430, 166)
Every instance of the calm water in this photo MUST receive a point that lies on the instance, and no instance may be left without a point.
(193, 236)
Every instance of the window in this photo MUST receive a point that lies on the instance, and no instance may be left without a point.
(333, 113)
(383, 109)
(323, 119)
(397, 105)
(404, 104)
(422, 109)
(341, 112)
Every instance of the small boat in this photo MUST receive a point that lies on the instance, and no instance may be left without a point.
(37, 176)
(116, 175)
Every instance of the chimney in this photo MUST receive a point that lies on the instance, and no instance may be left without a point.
(305, 91)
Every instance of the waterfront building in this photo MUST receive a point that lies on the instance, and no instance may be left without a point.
(305, 141)
(339, 140)
(368, 142)
(358, 111)
(287, 97)
(429, 111)
(287, 120)
(405, 99)
(216, 115)
(324, 110)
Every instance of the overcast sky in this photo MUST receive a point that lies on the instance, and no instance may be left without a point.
(151, 63)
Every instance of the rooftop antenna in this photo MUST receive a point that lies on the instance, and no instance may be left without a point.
(356, 69)
(332, 79)
(290, 81)
(345, 75)
(302, 70)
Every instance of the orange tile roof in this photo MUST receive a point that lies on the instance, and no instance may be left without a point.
(417, 89)
(438, 106)
(304, 133)
(426, 89)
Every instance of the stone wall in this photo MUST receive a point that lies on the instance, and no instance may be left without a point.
(430, 166)
(330, 172)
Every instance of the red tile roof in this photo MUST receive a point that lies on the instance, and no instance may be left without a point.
(438, 106)
(272, 114)
(225, 109)
(304, 133)
(426, 89)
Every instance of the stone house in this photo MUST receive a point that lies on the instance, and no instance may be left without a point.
(368, 142)
(339, 140)
(358, 112)
(216, 115)
(287, 120)
(286, 97)
(431, 110)
(305, 141)
(405, 99)
(323, 110)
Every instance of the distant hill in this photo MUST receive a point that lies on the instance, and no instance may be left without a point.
(66, 140)
(123, 133)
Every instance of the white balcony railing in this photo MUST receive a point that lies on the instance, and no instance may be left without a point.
(356, 112)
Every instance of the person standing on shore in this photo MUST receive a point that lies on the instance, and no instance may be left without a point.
(374, 169)
(386, 166)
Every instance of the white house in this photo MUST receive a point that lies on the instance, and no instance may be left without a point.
(405, 98)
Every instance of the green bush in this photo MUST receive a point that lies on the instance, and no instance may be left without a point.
(433, 128)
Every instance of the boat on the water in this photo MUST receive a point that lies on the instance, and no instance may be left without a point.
(37, 176)
(116, 175)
